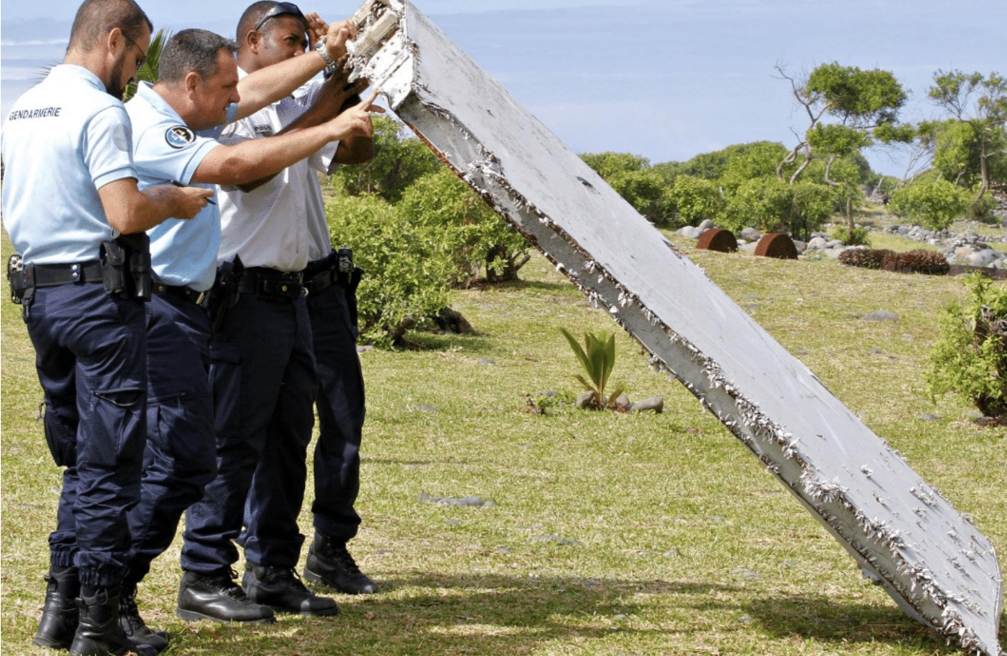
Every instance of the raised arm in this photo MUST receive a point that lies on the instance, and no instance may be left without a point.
(257, 158)
(271, 83)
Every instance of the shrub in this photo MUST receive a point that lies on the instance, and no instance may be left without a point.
(775, 206)
(859, 236)
(928, 262)
(970, 356)
(406, 271)
(982, 209)
(468, 232)
(934, 203)
(695, 199)
(866, 258)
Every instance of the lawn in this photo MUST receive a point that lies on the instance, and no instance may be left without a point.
(603, 533)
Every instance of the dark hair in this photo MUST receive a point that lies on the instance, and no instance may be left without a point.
(96, 18)
(192, 50)
(251, 17)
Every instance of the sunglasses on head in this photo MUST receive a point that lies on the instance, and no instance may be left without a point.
(281, 9)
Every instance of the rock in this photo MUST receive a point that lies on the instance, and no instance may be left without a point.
(623, 403)
(750, 234)
(817, 244)
(881, 315)
(691, 232)
(585, 399)
(655, 403)
(801, 246)
(983, 258)
(705, 225)
(748, 248)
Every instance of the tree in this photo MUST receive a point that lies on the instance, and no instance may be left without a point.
(980, 103)
(863, 106)
(696, 199)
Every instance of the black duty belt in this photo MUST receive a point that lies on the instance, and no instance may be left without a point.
(272, 285)
(179, 291)
(320, 281)
(53, 275)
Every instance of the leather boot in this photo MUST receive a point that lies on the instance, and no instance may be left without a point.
(136, 630)
(98, 632)
(330, 563)
(58, 624)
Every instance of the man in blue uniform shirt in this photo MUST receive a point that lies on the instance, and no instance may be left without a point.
(176, 122)
(90, 345)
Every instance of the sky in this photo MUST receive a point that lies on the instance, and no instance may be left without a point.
(665, 79)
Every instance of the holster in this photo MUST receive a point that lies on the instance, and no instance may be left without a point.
(224, 293)
(348, 276)
(125, 266)
(16, 277)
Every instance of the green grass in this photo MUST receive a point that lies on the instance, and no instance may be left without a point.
(610, 534)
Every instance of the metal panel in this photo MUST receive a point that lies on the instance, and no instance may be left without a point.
(901, 531)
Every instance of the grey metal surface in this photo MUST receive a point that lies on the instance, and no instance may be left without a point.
(930, 558)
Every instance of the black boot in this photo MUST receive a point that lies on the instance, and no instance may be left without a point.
(98, 632)
(59, 619)
(330, 563)
(139, 635)
(281, 589)
(215, 596)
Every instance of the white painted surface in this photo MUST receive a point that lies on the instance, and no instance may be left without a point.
(933, 562)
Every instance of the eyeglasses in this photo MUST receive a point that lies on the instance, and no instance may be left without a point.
(279, 9)
(143, 55)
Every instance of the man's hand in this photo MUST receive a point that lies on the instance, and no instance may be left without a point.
(337, 36)
(317, 28)
(356, 121)
(186, 202)
(340, 91)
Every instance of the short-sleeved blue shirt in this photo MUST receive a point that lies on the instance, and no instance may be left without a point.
(166, 151)
(63, 140)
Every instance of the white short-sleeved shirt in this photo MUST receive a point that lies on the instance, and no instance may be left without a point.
(166, 151)
(63, 140)
(281, 224)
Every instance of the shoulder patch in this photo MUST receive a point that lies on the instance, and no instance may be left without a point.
(179, 136)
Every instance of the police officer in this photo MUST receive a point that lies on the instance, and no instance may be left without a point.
(82, 303)
(263, 352)
(281, 226)
(175, 123)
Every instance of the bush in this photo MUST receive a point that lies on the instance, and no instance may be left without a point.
(406, 270)
(859, 236)
(866, 258)
(695, 200)
(469, 233)
(970, 356)
(982, 209)
(772, 205)
(920, 261)
(933, 203)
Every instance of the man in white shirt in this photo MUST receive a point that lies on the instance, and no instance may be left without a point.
(277, 227)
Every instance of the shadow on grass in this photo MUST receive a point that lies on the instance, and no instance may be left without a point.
(431, 613)
(830, 621)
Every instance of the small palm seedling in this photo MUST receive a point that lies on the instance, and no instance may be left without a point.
(597, 357)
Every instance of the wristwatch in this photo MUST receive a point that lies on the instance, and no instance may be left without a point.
(321, 50)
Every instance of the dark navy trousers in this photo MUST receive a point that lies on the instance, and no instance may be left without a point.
(180, 457)
(262, 373)
(90, 354)
(340, 406)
